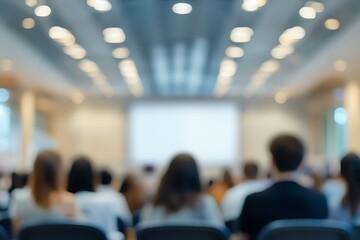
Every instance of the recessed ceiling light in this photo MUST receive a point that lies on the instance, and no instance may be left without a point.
(317, 6)
(61, 35)
(120, 53)
(270, 66)
(241, 34)
(227, 68)
(128, 68)
(292, 35)
(182, 8)
(77, 97)
(100, 5)
(42, 11)
(114, 35)
(28, 23)
(6, 65)
(340, 65)
(281, 97)
(75, 51)
(87, 65)
(227, 71)
(234, 52)
(307, 12)
(253, 5)
(31, 3)
(332, 24)
(281, 51)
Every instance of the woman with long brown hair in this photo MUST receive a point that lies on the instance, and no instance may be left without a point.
(180, 197)
(350, 172)
(47, 196)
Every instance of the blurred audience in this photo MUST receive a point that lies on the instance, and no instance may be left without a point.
(18, 180)
(179, 197)
(334, 189)
(217, 189)
(349, 208)
(4, 193)
(47, 196)
(234, 198)
(119, 202)
(285, 199)
(133, 192)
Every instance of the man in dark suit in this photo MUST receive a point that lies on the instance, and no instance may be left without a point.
(285, 199)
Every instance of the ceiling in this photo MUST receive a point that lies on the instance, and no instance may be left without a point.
(175, 55)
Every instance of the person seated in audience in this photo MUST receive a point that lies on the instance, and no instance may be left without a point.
(95, 207)
(179, 197)
(119, 202)
(334, 189)
(234, 198)
(349, 208)
(4, 193)
(18, 181)
(218, 189)
(47, 197)
(133, 192)
(285, 199)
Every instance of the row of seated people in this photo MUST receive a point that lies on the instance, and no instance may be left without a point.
(180, 196)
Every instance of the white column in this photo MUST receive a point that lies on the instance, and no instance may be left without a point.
(352, 105)
(27, 118)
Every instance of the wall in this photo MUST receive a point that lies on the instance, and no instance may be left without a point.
(94, 129)
(99, 130)
(262, 120)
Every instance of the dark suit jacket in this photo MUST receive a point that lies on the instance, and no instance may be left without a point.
(283, 200)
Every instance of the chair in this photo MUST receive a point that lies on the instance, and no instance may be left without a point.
(356, 225)
(60, 230)
(5, 223)
(3, 234)
(309, 229)
(188, 231)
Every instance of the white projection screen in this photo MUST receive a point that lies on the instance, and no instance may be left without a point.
(159, 130)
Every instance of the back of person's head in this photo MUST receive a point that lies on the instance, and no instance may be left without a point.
(227, 178)
(128, 184)
(18, 180)
(350, 171)
(105, 177)
(81, 176)
(250, 170)
(48, 176)
(180, 186)
(287, 152)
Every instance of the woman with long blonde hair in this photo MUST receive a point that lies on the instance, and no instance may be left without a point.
(47, 196)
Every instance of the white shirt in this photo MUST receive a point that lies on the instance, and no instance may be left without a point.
(205, 209)
(24, 207)
(334, 190)
(95, 209)
(119, 203)
(4, 199)
(234, 198)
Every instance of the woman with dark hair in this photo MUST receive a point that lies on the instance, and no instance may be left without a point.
(350, 172)
(47, 196)
(94, 206)
(179, 196)
(133, 193)
(81, 176)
